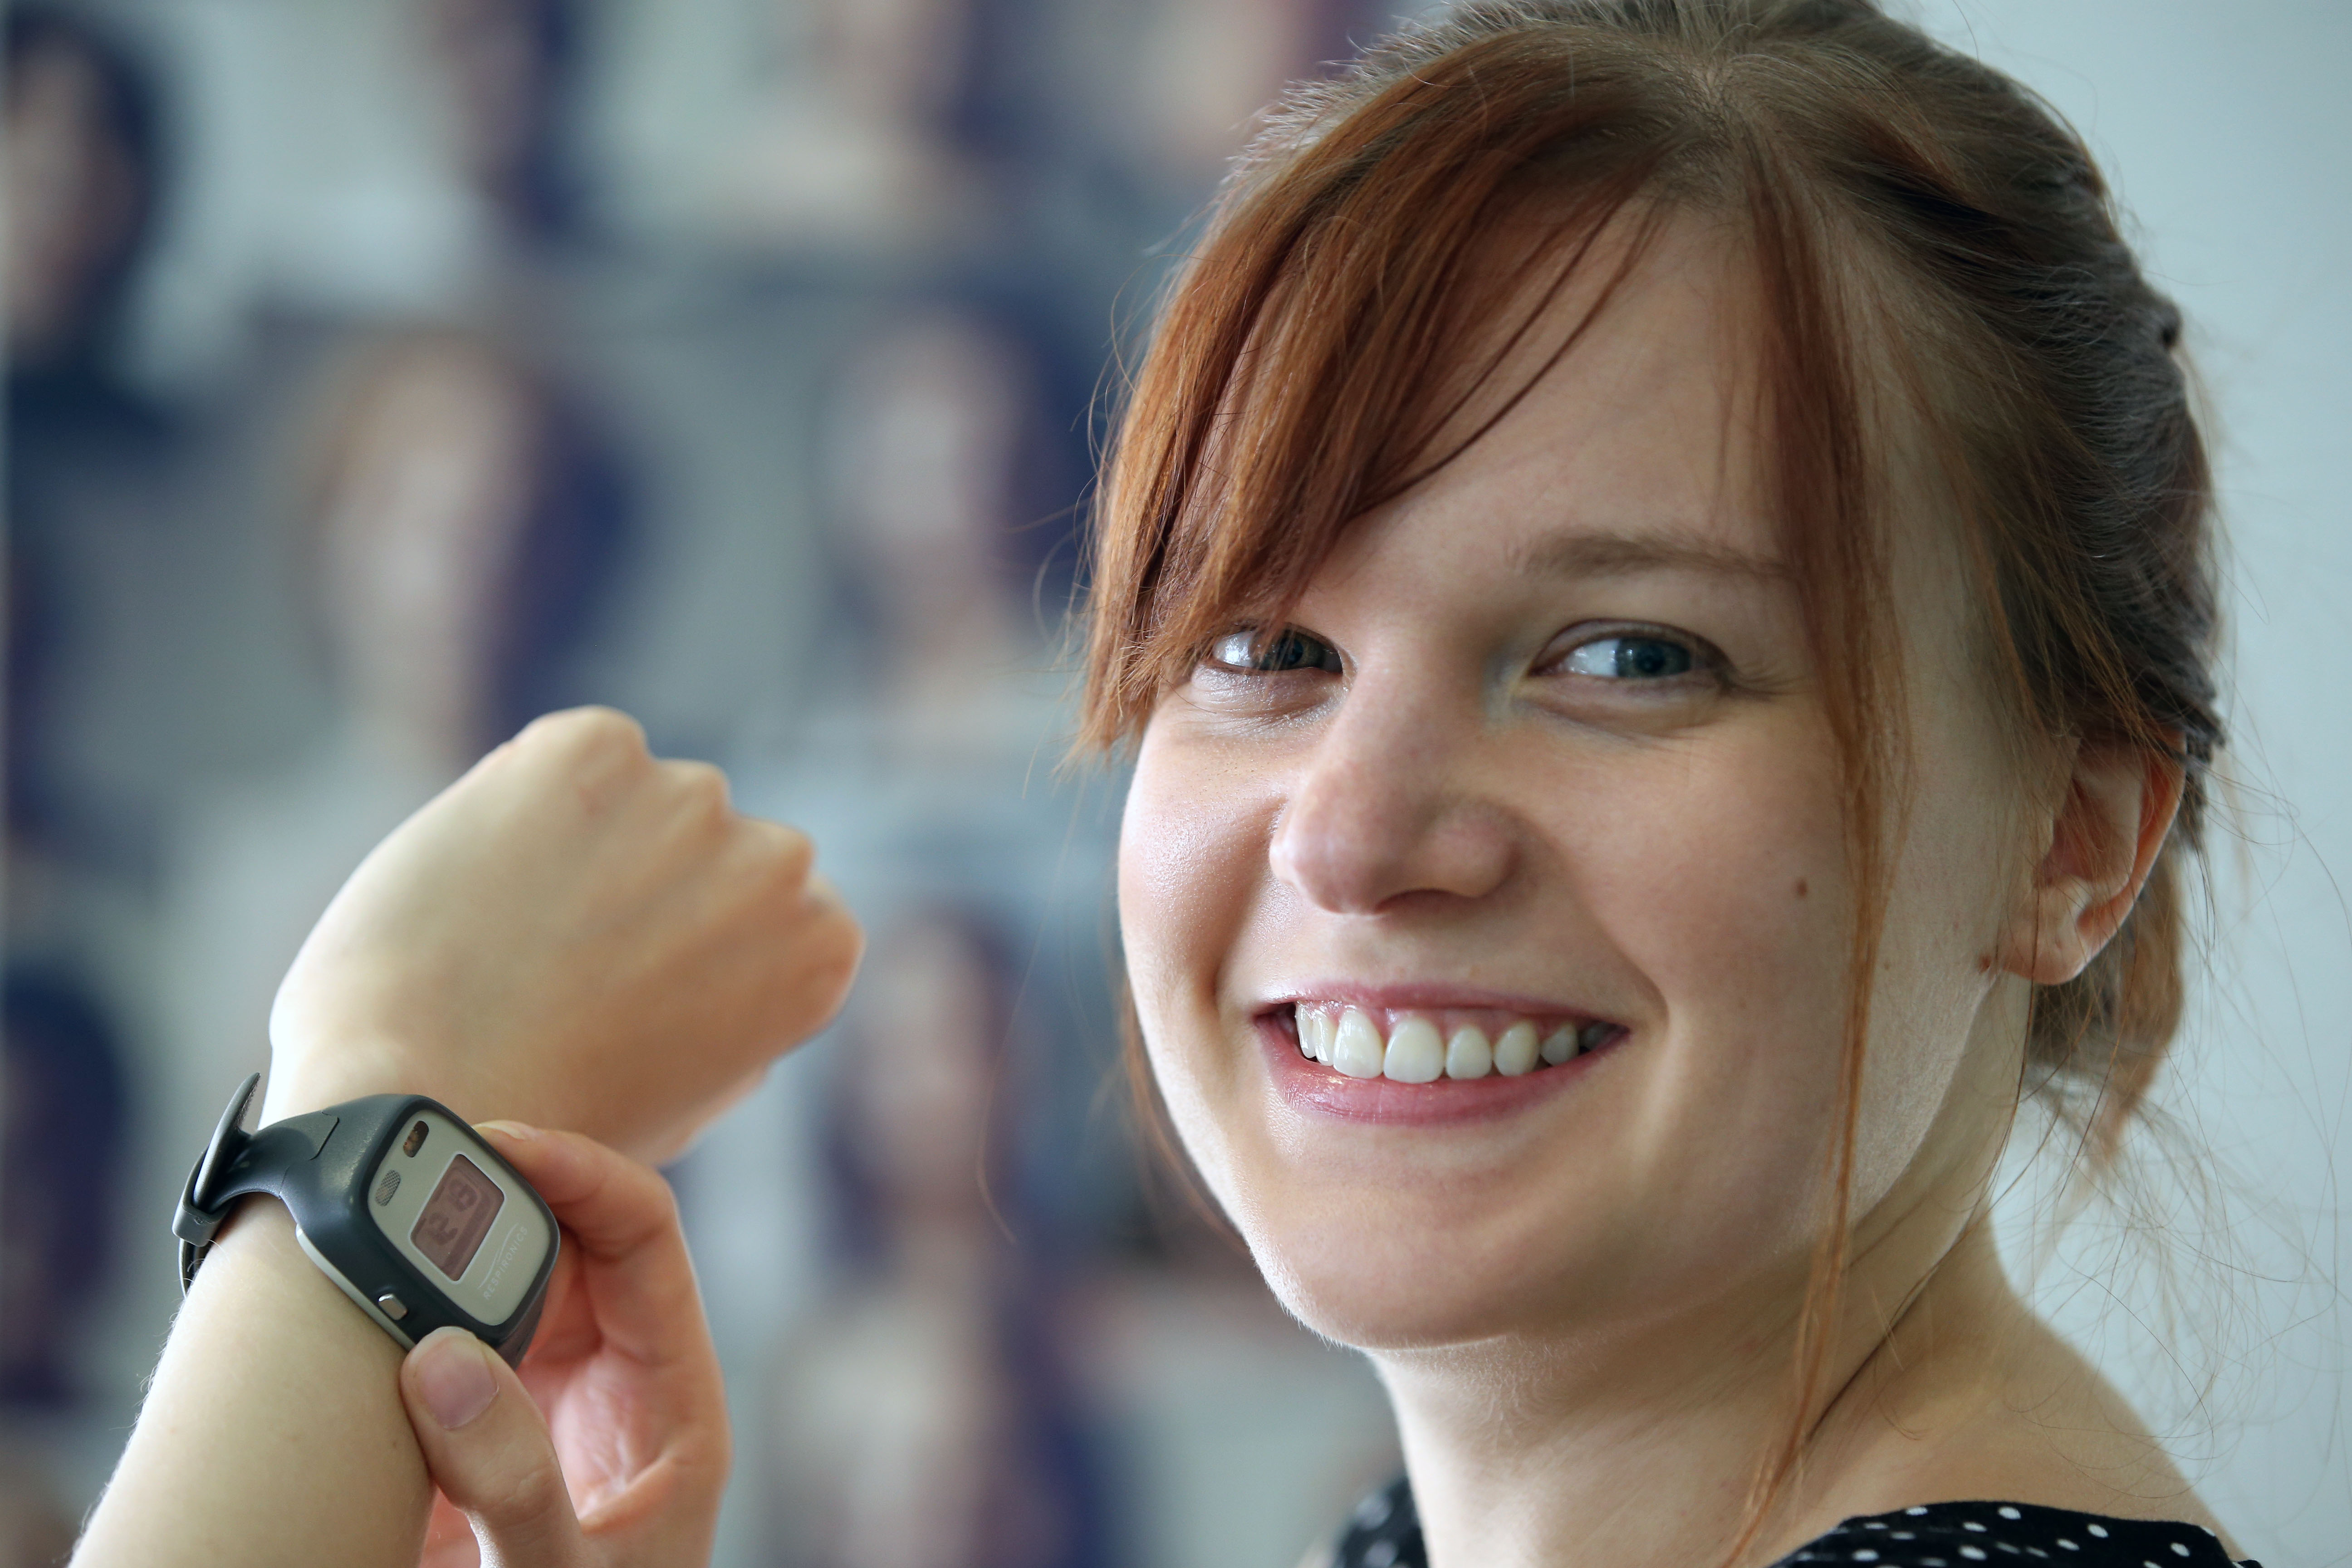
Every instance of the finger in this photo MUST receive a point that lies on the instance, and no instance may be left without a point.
(786, 853)
(488, 1451)
(585, 757)
(698, 785)
(590, 729)
(622, 1220)
(614, 1205)
(449, 1537)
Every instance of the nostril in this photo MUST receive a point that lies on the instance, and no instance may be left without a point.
(1356, 856)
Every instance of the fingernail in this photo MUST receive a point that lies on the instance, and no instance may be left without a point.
(453, 1374)
(519, 1132)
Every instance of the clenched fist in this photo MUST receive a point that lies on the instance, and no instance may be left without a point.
(576, 934)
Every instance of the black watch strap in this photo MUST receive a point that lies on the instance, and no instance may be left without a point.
(237, 1164)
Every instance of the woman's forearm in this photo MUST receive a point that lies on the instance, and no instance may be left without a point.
(273, 1432)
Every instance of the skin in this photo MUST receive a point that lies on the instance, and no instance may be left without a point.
(576, 934)
(1586, 1304)
(280, 1420)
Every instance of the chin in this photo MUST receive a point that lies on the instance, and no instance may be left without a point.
(1425, 1281)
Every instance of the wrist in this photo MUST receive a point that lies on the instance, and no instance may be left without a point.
(257, 1263)
(353, 1066)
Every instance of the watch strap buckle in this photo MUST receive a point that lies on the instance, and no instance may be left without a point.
(203, 1206)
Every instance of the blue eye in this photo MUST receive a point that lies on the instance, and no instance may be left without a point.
(1629, 656)
(1288, 650)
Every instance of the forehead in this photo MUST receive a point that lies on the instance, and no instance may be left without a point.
(1615, 421)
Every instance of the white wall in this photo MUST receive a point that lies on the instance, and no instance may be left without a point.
(2227, 129)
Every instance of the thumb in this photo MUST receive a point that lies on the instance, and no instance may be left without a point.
(487, 1448)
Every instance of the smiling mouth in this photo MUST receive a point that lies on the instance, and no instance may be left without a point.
(1409, 1046)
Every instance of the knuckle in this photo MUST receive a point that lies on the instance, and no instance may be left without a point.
(588, 731)
(660, 1201)
(701, 787)
(842, 941)
(791, 854)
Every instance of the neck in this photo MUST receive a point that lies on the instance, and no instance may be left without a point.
(1632, 1452)
(1642, 1444)
(1640, 1452)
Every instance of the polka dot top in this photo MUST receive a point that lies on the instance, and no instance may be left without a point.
(1385, 1532)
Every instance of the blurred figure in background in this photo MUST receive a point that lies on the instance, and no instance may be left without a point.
(1199, 74)
(64, 1099)
(935, 694)
(1209, 67)
(81, 161)
(933, 457)
(922, 1417)
(89, 641)
(506, 72)
(459, 521)
(866, 142)
(88, 454)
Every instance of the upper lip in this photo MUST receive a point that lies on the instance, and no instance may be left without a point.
(1425, 997)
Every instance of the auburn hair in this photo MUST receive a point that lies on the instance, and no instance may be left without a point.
(1933, 251)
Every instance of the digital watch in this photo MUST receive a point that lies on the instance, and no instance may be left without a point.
(399, 1202)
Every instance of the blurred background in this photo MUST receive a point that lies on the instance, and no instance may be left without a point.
(382, 373)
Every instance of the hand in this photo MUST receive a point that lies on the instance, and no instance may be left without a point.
(574, 934)
(634, 1437)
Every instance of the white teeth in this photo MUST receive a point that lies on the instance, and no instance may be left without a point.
(1357, 1050)
(1416, 1051)
(1514, 1051)
(1467, 1054)
(1416, 1054)
(1315, 1032)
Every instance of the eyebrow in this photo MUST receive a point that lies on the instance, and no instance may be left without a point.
(1625, 554)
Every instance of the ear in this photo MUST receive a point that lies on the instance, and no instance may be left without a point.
(2119, 805)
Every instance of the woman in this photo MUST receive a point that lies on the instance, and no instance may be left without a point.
(1656, 572)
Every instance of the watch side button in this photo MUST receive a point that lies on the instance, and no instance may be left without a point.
(394, 1307)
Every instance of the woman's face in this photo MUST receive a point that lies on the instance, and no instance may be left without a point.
(1550, 762)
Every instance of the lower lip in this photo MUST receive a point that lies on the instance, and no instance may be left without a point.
(1309, 1086)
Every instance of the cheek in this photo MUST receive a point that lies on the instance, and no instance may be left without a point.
(1174, 857)
(1726, 889)
(1192, 869)
(1722, 889)
(1191, 861)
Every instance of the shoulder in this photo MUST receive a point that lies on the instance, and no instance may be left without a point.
(1962, 1535)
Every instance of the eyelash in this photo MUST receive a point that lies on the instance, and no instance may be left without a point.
(1236, 653)
(1702, 661)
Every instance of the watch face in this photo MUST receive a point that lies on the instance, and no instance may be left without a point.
(456, 1217)
(468, 1225)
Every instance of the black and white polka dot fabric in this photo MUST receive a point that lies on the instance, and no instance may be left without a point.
(1962, 1535)
(1385, 1532)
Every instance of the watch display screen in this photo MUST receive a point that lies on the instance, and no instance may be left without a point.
(456, 1217)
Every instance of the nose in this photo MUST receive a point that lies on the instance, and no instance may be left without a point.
(1386, 805)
